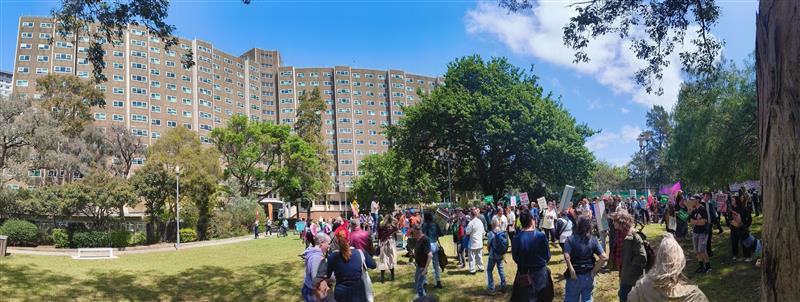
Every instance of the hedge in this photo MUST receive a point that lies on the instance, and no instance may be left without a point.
(91, 239)
(60, 238)
(20, 232)
(188, 235)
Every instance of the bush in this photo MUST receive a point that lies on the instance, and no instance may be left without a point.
(137, 238)
(188, 235)
(119, 238)
(234, 219)
(20, 232)
(60, 238)
(90, 239)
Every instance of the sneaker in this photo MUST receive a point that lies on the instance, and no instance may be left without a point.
(747, 260)
(489, 292)
(708, 269)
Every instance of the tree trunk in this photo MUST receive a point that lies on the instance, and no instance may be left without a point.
(778, 83)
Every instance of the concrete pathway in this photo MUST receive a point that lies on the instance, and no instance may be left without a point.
(161, 247)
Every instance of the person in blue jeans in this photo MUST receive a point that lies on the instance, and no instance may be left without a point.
(433, 232)
(580, 250)
(422, 258)
(496, 259)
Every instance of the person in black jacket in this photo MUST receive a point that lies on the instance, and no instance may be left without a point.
(740, 227)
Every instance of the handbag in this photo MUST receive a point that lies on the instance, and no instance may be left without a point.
(365, 278)
(442, 256)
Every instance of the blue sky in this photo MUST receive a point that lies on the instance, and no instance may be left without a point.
(423, 36)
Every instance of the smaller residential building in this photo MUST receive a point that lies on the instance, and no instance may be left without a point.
(5, 83)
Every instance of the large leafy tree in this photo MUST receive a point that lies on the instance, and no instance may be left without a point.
(252, 152)
(70, 100)
(156, 186)
(651, 161)
(99, 196)
(777, 54)
(496, 121)
(608, 177)
(125, 147)
(199, 170)
(300, 180)
(716, 135)
(22, 128)
(391, 179)
(309, 127)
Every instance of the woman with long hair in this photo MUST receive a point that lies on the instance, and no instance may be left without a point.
(579, 252)
(665, 280)
(741, 218)
(682, 216)
(348, 265)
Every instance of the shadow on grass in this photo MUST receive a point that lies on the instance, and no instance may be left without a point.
(268, 282)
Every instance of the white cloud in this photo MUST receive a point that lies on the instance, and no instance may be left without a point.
(538, 32)
(624, 110)
(603, 140)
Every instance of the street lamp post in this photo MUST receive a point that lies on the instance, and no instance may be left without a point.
(644, 139)
(177, 208)
(445, 154)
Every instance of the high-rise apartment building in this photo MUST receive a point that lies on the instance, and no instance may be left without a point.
(5, 83)
(149, 91)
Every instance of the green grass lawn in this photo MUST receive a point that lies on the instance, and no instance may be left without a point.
(270, 270)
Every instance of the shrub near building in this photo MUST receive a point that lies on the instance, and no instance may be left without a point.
(20, 232)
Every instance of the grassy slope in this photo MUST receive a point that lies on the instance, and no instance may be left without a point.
(270, 270)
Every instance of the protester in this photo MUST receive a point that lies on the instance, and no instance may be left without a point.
(512, 219)
(457, 230)
(387, 259)
(433, 232)
(700, 231)
(548, 223)
(315, 259)
(531, 253)
(475, 232)
(374, 209)
(498, 246)
(422, 257)
(665, 280)
(348, 265)
(579, 252)
(740, 227)
(359, 238)
(713, 220)
(682, 216)
(563, 229)
(499, 220)
(268, 227)
(402, 223)
(630, 254)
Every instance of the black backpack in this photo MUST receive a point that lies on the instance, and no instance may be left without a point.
(651, 255)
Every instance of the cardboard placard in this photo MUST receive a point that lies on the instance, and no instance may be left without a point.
(599, 209)
(523, 198)
(513, 201)
(566, 197)
(542, 203)
(488, 199)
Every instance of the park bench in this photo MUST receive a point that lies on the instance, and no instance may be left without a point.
(95, 253)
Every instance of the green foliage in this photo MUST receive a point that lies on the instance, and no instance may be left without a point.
(137, 238)
(608, 177)
(715, 139)
(252, 151)
(73, 98)
(99, 196)
(315, 180)
(20, 232)
(60, 238)
(199, 171)
(188, 235)
(498, 126)
(119, 238)
(656, 28)
(653, 159)
(156, 186)
(91, 239)
(393, 180)
(22, 128)
(235, 218)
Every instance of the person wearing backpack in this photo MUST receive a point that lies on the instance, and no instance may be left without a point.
(632, 257)
(498, 246)
(579, 252)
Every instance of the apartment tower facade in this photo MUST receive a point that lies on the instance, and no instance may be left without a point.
(149, 91)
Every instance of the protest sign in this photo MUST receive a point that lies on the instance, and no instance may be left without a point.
(599, 209)
(513, 201)
(542, 203)
(566, 197)
(488, 199)
(523, 198)
(632, 193)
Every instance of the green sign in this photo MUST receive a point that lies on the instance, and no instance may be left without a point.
(488, 199)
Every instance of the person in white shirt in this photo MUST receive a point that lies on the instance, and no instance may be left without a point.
(374, 208)
(512, 220)
(475, 232)
(499, 220)
(549, 221)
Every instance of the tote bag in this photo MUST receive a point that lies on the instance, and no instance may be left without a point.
(365, 278)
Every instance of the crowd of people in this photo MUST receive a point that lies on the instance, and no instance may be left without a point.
(339, 255)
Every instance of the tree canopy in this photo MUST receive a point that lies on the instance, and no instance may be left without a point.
(391, 179)
(499, 127)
